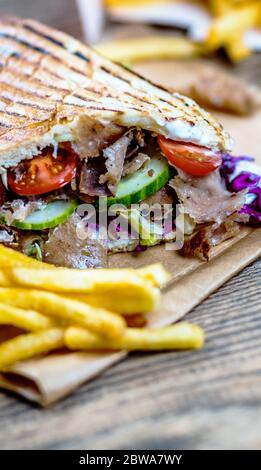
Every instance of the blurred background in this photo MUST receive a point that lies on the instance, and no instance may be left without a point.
(135, 30)
(182, 28)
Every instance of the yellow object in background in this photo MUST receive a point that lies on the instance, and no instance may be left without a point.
(154, 47)
(237, 50)
(220, 7)
(224, 25)
(236, 21)
(133, 3)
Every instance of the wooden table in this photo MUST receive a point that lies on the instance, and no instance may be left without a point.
(205, 399)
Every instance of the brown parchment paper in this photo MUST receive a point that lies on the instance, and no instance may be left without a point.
(45, 380)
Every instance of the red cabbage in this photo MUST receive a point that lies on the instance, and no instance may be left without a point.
(240, 178)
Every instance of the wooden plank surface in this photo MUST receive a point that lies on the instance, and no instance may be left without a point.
(205, 399)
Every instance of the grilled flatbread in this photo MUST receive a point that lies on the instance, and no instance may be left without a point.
(54, 88)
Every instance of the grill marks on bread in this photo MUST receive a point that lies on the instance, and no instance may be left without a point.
(47, 77)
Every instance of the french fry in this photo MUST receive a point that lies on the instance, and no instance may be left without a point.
(180, 336)
(25, 319)
(98, 320)
(131, 3)
(156, 274)
(237, 50)
(102, 282)
(220, 7)
(4, 281)
(127, 291)
(123, 304)
(127, 303)
(154, 47)
(29, 345)
(10, 258)
(235, 22)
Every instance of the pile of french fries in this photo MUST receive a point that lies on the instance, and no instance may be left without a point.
(105, 309)
(231, 20)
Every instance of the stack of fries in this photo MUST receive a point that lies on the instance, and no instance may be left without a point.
(233, 18)
(103, 309)
(228, 25)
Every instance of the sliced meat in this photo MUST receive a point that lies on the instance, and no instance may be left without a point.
(19, 209)
(7, 237)
(212, 207)
(69, 246)
(89, 178)
(206, 199)
(207, 236)
(115, 155)
(3, 193)
(161, 206)
(139, 137)
(134, 164)
(223, 91)
(163, 196)
(137, 143)
(92, 137)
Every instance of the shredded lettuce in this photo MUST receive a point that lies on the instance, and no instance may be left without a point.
(242, 173)
(34, 251)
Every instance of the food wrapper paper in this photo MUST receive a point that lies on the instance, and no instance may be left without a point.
(48, 379)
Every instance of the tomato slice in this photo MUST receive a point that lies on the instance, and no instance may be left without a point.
(43, 173)
(194, 160)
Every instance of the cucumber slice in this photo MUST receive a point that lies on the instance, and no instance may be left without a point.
(55, 213)
(145, 182)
